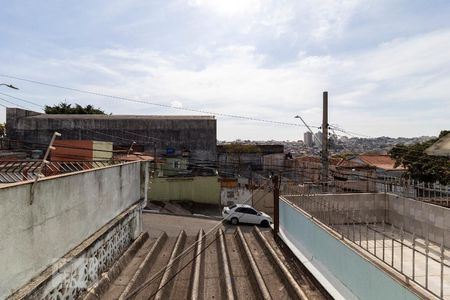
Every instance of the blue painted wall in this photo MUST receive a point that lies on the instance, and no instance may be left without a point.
(339, 262)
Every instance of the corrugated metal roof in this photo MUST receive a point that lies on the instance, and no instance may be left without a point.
(384, 162)
(17, 171)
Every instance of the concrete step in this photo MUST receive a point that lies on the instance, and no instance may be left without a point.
(241, 274)
(236, 264)
(121, 282)
(300, 274)
(157, 271)
(113, 276)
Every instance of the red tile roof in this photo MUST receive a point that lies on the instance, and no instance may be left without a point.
(384, 162)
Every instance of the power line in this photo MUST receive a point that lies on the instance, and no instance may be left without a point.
(144, 285)
(10, 102)
(20, 99)
(152, 103)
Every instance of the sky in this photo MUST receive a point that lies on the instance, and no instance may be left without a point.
(384, 63)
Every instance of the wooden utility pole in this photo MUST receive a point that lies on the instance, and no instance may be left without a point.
(276, 204)
(324, 159)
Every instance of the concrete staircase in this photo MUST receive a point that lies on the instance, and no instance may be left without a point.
(233, 264)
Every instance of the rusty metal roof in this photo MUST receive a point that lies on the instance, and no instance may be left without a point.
(24, 170)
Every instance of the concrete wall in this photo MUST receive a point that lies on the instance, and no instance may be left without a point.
(236, 195)
(196, 134)
(65, 211)
(424, 219)
(340, 269)
(372, 205)
(200, 189)
(263, 200)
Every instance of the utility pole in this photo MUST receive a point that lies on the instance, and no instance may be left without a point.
(324, 159)
(276, 204)
(38, 171)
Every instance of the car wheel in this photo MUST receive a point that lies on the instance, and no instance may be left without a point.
(234, 221)
(265, 223)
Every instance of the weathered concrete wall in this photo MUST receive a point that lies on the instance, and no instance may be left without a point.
(66, 210)
(360, 205)
(263, 200)
(200, 189)
(424, 219)
(196, 134)
(236, 195)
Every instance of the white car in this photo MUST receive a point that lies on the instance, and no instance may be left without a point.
(243, 213)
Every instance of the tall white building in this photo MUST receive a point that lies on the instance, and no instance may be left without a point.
(308, 139)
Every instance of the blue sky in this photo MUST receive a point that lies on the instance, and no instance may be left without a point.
(385, 64)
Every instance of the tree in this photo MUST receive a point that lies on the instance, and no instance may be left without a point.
(421, 166)
(64, 108)
(2, 130)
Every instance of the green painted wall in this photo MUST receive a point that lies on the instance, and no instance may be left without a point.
(200, 189)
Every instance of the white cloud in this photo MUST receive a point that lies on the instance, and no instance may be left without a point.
(229, 7)
(392, 89)
(176, 104)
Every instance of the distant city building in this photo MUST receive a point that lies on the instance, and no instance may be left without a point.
(307, 137)
(318, 139)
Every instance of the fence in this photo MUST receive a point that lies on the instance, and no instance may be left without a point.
(340, 181)
(15, 171)
(419, 261)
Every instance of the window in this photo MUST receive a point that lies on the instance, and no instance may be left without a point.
(230, 194)
(241, 210)
(250, 211)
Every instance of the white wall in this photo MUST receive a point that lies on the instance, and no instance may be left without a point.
(237, 195)
(66, 210)
(424, 219)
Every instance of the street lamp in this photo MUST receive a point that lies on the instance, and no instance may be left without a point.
(314, 136)
(9, 85)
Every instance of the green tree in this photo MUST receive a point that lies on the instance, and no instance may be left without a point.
(2, 130)
(421, 166)
(65, 108)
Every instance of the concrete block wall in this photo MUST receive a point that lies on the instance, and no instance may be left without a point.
(197, 134)
(359, 205)
(424, 219)
(66, 210)
(200, 189)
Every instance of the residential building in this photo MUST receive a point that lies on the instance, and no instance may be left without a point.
(441, 147)
(308, 139)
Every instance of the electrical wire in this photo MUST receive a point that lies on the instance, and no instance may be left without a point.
(153, 103)
(144, 285)
(21, 99)
(10, 102)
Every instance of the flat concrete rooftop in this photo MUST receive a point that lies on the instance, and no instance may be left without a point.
(403, 259)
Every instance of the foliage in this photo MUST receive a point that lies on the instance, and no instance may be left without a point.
(237, 148)
(64, 108)
(2, 129)
(421, 166)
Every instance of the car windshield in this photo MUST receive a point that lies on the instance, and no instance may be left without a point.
(233, 206)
